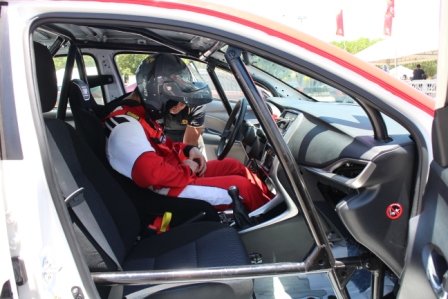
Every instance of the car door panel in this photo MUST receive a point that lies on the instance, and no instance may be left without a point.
(284, 241)
(428, 257)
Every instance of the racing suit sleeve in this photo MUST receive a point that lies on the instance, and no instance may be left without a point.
(182, 150)
(151, 169)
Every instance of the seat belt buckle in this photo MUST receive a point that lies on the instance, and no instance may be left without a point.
(161, 224)
(72, 199)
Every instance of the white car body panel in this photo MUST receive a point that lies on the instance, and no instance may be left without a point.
(32, 223)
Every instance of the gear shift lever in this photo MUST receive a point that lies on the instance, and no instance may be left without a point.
(240, 214)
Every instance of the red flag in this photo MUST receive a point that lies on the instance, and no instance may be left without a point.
(388, 17)
(340, 23)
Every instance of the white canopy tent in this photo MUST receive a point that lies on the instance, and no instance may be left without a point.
(394, 51)
(400, 72)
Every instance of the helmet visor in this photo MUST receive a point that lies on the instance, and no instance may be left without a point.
(190, 93)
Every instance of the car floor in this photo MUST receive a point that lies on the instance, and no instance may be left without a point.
(313, 286)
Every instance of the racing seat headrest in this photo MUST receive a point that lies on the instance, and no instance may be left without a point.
(46, 77)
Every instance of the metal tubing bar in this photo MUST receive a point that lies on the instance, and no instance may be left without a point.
(219, 89)
(340, 292)
(378, 124)
(213, 49)
(209, 274)
(63, 96)
(276, 139)
(377, 283)
(149, 35)
(56, 45)
(199, 275)
(233, 56)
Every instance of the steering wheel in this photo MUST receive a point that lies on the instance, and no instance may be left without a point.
(231, 129)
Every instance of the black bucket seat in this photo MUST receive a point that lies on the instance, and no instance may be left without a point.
(193, 245)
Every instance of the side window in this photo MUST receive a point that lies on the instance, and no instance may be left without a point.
(127, 64)
(230, 85)
(227, 80)
(313, 89)
(91, 69)
(60, 62)
(199, 72)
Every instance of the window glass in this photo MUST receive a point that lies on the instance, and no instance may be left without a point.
(227, 80)
(60, 62)
(312, 88)
(127, 64)
(91, 69)
(230, 85)
(199, 72)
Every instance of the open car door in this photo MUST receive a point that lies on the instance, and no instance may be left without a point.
(426, 271)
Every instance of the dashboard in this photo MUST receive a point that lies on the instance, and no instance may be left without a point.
(285, 119)
(352, 178)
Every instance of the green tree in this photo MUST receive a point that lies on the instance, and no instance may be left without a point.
(128, 63)
(356, 46)
(59, 62)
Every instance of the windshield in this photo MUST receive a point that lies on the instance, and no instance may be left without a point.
(313, 89)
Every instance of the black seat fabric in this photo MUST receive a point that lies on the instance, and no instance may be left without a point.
(199, 244)
(84, 111)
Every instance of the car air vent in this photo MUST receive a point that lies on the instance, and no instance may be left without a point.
(331, 194)
(349, 169)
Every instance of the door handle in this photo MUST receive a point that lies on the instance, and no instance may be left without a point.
(436, 270)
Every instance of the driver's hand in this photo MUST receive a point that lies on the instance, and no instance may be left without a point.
(192, 164)
(196, 155)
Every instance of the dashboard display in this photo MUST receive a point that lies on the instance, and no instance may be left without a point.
(289, 115)
(286, 118)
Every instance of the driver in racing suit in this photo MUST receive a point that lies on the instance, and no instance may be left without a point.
(138, 149)
(185, 123)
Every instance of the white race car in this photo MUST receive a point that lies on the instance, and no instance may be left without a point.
(355, 158)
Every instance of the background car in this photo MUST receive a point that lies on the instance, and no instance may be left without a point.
(360, 196)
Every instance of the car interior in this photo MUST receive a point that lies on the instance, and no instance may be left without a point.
(353, 161)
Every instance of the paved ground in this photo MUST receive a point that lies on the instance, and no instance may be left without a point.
(315, 285)
(307, 287)
(288, 287)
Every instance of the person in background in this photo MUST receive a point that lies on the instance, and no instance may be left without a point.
(137, 147)
(419, 73)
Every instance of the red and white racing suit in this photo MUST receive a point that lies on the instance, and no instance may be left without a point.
(138, 149)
